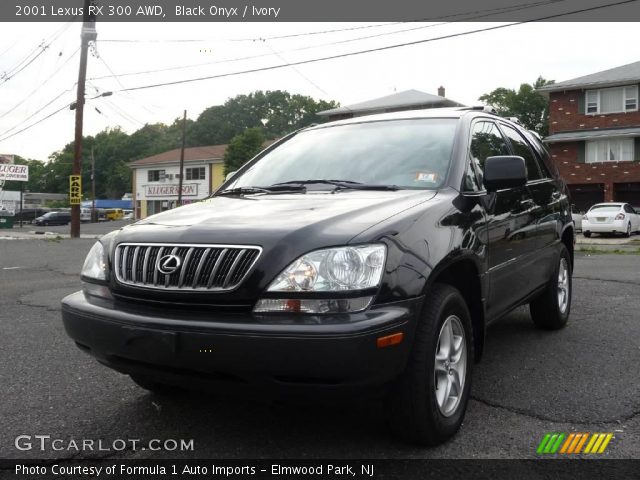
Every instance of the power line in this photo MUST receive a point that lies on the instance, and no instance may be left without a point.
(309, 47)
(371, 50)
(44, 45)
(34, 123)
(41, 85)
(297, 70)
(38, 110)
(489, 11)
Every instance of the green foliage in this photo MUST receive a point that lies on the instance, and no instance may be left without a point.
(277, 112)
(243, 148)
(244, 121)
(57, 204)
(528, 105)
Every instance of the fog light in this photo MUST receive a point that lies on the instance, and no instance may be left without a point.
(95, 290)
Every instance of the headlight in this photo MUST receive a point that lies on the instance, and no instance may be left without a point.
(95, 265)
(333, 269)
(340, 269)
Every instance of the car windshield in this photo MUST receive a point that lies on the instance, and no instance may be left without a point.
(404, 153)
(605, 208)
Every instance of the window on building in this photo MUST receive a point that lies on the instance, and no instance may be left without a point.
(612, 100)
(197, 173)
(611, 150)
(155, 175)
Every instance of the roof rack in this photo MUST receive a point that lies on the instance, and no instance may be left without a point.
(481, 108)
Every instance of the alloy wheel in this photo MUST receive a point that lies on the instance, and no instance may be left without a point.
(450, 366)
(563, 285)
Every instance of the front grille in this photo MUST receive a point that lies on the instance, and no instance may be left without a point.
(202, 267)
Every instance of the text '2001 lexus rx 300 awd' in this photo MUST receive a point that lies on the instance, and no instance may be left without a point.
(365, 253)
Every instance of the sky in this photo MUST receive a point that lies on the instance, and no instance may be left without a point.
(467, 66)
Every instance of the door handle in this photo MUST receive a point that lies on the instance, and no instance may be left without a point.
(527, 202)
(555, 195)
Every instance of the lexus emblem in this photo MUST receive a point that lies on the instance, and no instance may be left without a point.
(168, 264)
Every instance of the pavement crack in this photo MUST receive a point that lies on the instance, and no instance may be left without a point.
(546, 418)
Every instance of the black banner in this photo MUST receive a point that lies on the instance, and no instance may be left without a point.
(320, 11)
(318, 469)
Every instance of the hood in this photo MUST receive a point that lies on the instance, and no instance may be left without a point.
(320, 217)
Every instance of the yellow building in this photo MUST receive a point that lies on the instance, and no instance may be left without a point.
(156, 178)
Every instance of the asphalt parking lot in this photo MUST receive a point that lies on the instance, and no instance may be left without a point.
(584, 378)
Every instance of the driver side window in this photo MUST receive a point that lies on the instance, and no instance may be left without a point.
(486, 141)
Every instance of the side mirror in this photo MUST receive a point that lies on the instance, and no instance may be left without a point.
(229, 175)
(504, 172)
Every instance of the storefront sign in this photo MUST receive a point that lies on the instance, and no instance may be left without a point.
(9, 171)
(188, 190)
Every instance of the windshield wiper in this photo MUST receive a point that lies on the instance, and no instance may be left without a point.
(254, 190)
(339, 184)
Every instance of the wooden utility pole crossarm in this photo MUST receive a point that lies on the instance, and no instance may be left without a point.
(88, 34)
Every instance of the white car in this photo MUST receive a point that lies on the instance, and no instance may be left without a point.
(577, 220)
(610, 218)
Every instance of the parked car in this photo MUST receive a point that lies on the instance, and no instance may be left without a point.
(368, 253)
(610, 218)
(577, 219)
(54, 218)
(85, 214)
(29, 214)
(128, 215)
(112, 214)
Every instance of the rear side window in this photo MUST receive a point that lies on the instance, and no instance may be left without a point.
(486, 141)
(521, 148)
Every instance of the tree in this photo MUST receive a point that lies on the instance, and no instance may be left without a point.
(527, 104)
(243, 148)
(277, 112)
(244, 120)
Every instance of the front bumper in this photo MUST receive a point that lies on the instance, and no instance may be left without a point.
(245, 349)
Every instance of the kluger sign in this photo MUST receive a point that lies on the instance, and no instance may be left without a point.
(188, 190)
(10, 171)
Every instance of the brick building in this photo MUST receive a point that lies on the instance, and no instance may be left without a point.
(594, 135)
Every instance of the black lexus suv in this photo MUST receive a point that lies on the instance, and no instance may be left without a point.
(369, 252)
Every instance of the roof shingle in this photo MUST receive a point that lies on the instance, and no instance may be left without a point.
(211, 152)
(613, 76)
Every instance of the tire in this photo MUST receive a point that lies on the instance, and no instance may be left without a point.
(550, 310)
(155, 387)
(628, 232)
(587, 234)
(417, 412)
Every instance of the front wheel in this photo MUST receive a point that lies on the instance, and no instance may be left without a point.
(550, 310)
(586, 234)
(428, 402)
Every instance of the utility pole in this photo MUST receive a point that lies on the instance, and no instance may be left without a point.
(93, 187)
(88, 34)
(184, 128)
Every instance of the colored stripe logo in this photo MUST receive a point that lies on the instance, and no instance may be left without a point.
(574, 443)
